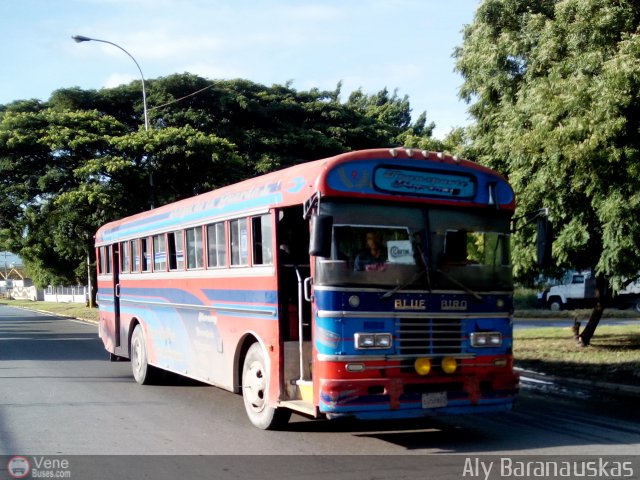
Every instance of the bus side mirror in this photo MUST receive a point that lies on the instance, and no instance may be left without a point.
(321, 229)
(543, 242)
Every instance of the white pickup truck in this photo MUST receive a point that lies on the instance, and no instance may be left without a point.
(579, 289)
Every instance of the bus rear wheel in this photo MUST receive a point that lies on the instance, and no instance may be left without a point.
(255, 388)
(142, 371)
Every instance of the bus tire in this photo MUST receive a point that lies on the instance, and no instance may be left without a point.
(143, 373)
(255, 388)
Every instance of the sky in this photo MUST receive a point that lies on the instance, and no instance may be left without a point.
(403, 45)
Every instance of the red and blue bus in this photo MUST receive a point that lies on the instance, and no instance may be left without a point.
(375, 284)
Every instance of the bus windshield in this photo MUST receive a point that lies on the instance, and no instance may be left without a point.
(433, 248)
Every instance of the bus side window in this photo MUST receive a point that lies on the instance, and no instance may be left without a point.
(105, 254)
(262, 240)
(135, 256)
(216, 246)
(99, 260)
(159, 254)
(238, 236)
(145, 254)
(175, 250)
(194, 248)
(124, 258)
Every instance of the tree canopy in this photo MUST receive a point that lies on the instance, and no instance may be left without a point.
(83, 158)
(553, 87)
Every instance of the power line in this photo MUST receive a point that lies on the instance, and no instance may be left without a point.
(181, 98)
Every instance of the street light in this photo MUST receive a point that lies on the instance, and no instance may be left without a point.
(82, 38)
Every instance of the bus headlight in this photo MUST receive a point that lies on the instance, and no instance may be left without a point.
(486, 339)
(372, 340)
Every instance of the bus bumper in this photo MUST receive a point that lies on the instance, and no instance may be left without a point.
(403, 398)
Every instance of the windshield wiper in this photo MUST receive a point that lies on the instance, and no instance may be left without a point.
(402, 286)
(460, 284)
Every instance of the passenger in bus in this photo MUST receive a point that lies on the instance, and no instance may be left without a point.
(286, 258)
(374, 256)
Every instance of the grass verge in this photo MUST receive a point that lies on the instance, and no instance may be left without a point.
(75, 310)
(613, 356)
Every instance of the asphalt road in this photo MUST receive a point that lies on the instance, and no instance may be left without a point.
(59, 395)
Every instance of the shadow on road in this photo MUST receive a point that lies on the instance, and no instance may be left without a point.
(535, 424)
(29, 336)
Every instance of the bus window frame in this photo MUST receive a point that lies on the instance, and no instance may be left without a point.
(125, 257)
(200, 262)
(247, 242)
(105, 260)
(264, 218)
(225, 240)
(135, 259)
(146, 255)
(173, 253)
(154, 252)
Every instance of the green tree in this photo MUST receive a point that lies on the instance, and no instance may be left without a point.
(82, 159)
(40, 148)
(553, 89)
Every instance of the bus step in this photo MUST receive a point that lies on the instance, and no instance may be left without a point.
(305, 390)
(301, 406)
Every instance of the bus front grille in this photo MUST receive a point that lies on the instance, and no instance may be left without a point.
(429, 336)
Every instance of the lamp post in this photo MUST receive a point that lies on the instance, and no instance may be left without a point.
(82, 38)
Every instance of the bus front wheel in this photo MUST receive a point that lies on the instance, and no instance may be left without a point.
(255, 388)
(142, 371)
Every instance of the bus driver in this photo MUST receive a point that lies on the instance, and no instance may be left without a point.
(375, 255)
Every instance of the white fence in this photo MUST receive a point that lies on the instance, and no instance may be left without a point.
(79, 294)
(20, 290)
(25, 293)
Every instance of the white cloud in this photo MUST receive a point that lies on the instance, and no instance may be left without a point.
(213, 71)
(313, 13)
(116, 79)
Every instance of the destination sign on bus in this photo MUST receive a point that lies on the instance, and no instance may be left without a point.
(423, 182)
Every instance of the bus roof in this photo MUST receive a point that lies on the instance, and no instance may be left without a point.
(384, 174)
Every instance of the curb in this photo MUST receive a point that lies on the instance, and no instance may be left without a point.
(564, 383)
(53, 314)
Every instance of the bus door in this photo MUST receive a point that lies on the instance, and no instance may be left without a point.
(295, 311)
(115, 258)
